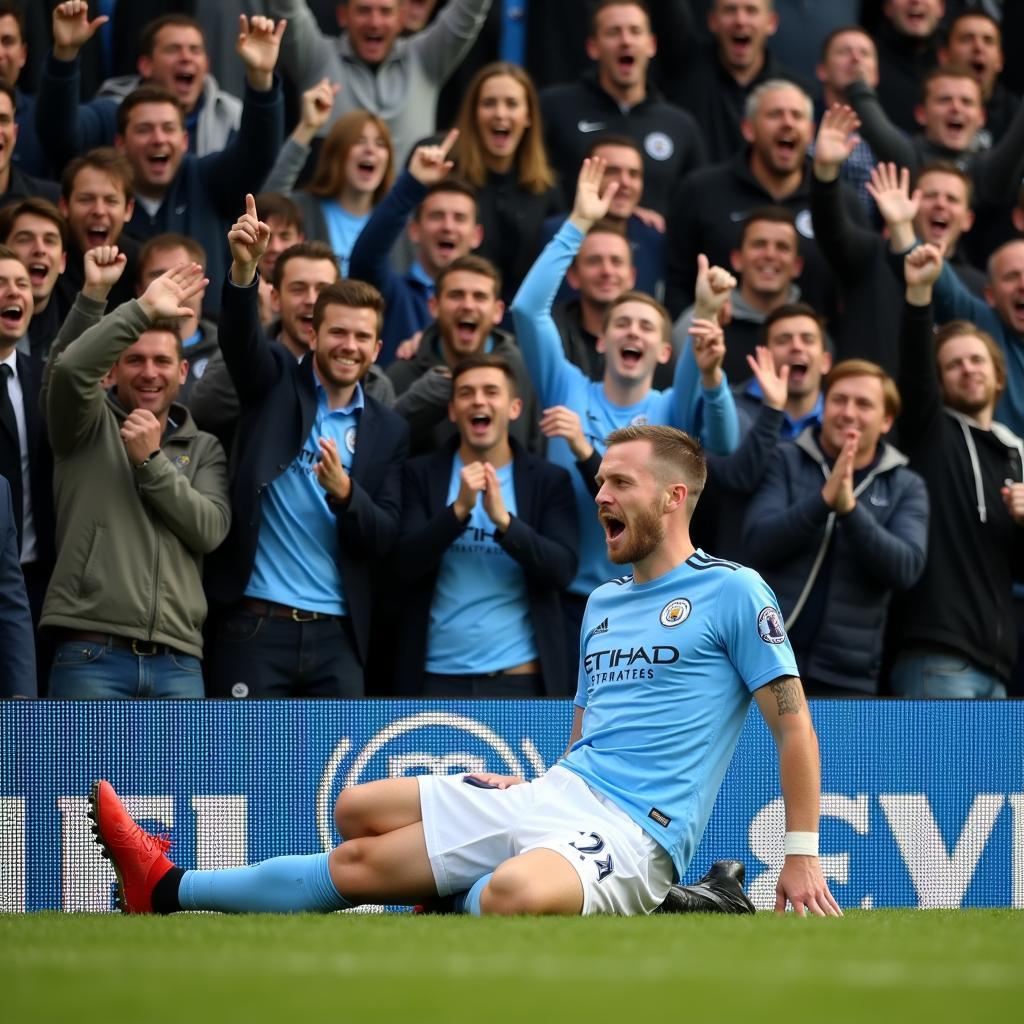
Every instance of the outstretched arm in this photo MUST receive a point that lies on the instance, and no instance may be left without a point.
(885, 139)
(801, 882)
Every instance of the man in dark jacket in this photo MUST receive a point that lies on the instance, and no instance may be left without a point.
(316, 491)
(838, 524)
(956, 630)
(17, 649)
(467, 309)
(489, 538)
(617, 98)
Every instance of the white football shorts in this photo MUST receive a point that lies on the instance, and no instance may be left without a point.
(470, 831)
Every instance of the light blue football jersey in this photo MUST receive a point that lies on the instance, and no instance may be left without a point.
(667, 669)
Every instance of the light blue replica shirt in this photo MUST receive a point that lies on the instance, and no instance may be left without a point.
(666, 673)
(297, 550)
(480, 614)
(686, 405)
(343, 229)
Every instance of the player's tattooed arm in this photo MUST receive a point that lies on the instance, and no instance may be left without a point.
(788, 694)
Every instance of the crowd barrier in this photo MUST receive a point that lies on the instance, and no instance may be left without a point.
(922, 805)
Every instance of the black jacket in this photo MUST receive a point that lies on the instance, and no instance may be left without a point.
(963, 602)
(864, 556)
(707, 217)
(578, 113)
(278, 400)
(542, 537)
(40, 462)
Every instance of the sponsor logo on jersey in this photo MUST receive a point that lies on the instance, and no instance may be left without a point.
(628, 656)
(660, 817)
(675, 613)
(659, 146)
(769, 626)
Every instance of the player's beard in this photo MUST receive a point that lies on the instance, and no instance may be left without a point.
(646, 532)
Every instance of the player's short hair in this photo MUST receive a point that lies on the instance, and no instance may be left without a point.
(351, 293)
(772, 214)
(944, 167)
(600, 5)
(792, 309)
(147, 93)
(167, 325)
(106, 160)
(311, 249)
(864, 368)
(9, 254)
(650, 300)
(975, 12)
(37, 207)
(611, 139)
(961, 328)
(990, 264)
(170, 240)
(455, 186)
(841, 31)
(147, 37)
(753, 103)
(486, 361)
(949, 71)
(14, 9)
(470, 264)
(284, 208)
(675, 450)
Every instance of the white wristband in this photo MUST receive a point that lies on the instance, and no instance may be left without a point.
(803, 844)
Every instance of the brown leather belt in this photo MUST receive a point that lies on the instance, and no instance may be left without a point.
(273, 610)
(142, 648)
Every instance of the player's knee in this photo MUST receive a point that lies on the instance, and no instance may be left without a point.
(514, 890)
(349, 812)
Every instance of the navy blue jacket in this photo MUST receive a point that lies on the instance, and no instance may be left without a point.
(406, 296)
(542, 537)
(278, 401)
(877, 548)
(17, 643)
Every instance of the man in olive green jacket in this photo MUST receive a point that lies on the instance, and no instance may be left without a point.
(141, 494)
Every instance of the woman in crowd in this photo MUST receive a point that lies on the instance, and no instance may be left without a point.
(501, 152)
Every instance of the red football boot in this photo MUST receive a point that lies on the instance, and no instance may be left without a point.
(139, 859)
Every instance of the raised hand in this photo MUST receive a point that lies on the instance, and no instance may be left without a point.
(258, 44)
(774, 383)
(921, 269)
(591, 204)
(1013, 498)
(890, 188)
(104, 266)
(651, 218)
(708, 350)
(317, 103)
(561, 421)
(472, 481)
(166, 295)
(408, 348)
(494, 503)
(330, 473)
(247, 239)
(72, 28)
(713, 288)
(838, 490)
(837, 139)
(430, 164)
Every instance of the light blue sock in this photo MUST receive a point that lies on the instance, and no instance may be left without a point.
(282, 885)
(469, 902)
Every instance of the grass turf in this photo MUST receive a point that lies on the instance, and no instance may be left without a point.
(871, 966)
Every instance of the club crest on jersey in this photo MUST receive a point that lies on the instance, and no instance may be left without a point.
(769, 626)
(675, 613)
(350, 440)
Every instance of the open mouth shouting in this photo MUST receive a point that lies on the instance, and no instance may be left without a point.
(631, 356)
(480, 425)
(38, 272)
(12, 319)
(625, 62)
(97, 235)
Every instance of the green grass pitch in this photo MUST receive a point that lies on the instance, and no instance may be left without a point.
(872, 966)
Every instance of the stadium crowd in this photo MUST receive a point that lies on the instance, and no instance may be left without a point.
(314, 317)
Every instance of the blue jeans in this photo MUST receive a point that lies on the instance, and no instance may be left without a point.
(931, 674)
(91, 671)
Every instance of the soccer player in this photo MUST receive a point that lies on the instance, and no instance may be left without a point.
(670, 656)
